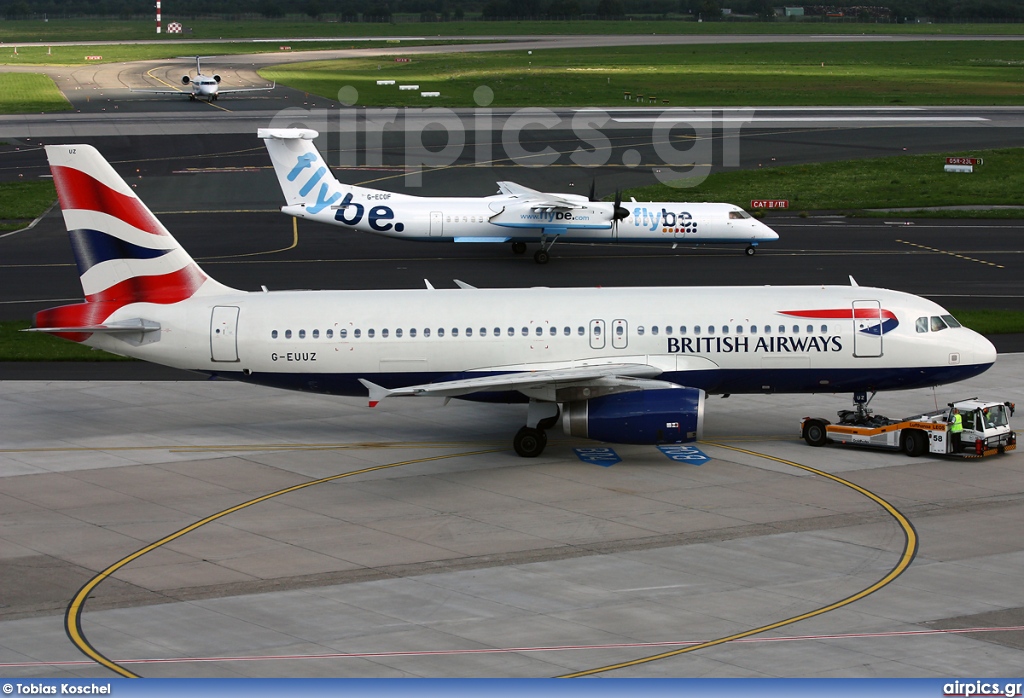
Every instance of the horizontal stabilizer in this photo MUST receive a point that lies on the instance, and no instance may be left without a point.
(285, 134)
(123, 327)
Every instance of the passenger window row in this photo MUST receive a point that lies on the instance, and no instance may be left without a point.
(552, 331)
(668, 329)
(371, 333)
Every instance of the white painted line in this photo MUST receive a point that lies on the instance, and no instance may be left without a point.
(700, 118)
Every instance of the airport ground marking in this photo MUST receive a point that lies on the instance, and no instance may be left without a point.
(910, 545)
(163, 82)
(951, 254)
(215, 448)
(73, 614)
(516, 650)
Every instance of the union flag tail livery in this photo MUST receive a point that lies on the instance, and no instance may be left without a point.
(125, 256)
(625, 365)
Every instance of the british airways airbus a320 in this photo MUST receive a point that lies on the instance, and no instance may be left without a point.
(625, 365)
(516, 214)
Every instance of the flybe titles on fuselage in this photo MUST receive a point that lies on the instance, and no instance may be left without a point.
(748, 345)
(652, 219)
(379, 218)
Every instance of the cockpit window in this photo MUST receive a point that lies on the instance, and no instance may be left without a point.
(921, 324)
(951, 321)
(937, 324)
(736, 215)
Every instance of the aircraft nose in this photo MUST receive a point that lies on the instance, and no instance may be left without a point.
(982, 350)
(766, 233)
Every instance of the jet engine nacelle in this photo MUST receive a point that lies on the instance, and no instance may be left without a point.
(185, 79)
(216, 79)
(667, 416)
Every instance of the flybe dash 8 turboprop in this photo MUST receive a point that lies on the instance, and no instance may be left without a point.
(204, 86)
(625, 365)
(516, 214)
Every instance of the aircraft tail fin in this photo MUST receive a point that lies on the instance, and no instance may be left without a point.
(123, 253)
(301, 171)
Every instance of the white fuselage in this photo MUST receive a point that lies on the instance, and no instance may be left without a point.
(719, 339)
(502, 218)
(204, 86)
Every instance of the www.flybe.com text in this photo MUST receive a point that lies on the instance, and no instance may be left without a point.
(767, 345)
(550, 216)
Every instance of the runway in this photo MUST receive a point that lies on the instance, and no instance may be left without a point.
(415, 542)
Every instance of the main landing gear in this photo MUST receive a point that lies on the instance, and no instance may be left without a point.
(541, 256)
(530, 441)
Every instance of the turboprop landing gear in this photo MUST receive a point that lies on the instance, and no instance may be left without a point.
(542, 255)
(750, 250)
(518, 247)
(529, 441)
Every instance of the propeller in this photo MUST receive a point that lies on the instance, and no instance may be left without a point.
(618, 212)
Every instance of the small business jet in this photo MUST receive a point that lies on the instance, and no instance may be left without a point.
(624, 365)
(204, 86)
(516, 214)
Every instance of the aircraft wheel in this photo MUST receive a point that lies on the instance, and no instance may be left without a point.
(814, 433)
(519, 247)
(529, 442)
(192, 97)
(914, 443)
(541, 257)
(750, 251)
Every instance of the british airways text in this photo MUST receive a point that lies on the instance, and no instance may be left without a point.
(768, 345)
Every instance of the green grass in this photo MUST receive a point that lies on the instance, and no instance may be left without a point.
(121, 53)
(22, 202)
(918, 73)
(21, 93)
(893, 182)
(37, 346)
(990, 322)
(121, 30)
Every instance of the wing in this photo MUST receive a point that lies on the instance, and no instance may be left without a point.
(559, 384)
(162, 92)
(247, 89)
(541, 200)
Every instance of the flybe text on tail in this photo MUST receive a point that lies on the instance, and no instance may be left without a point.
(378, 218)
(303, 162)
